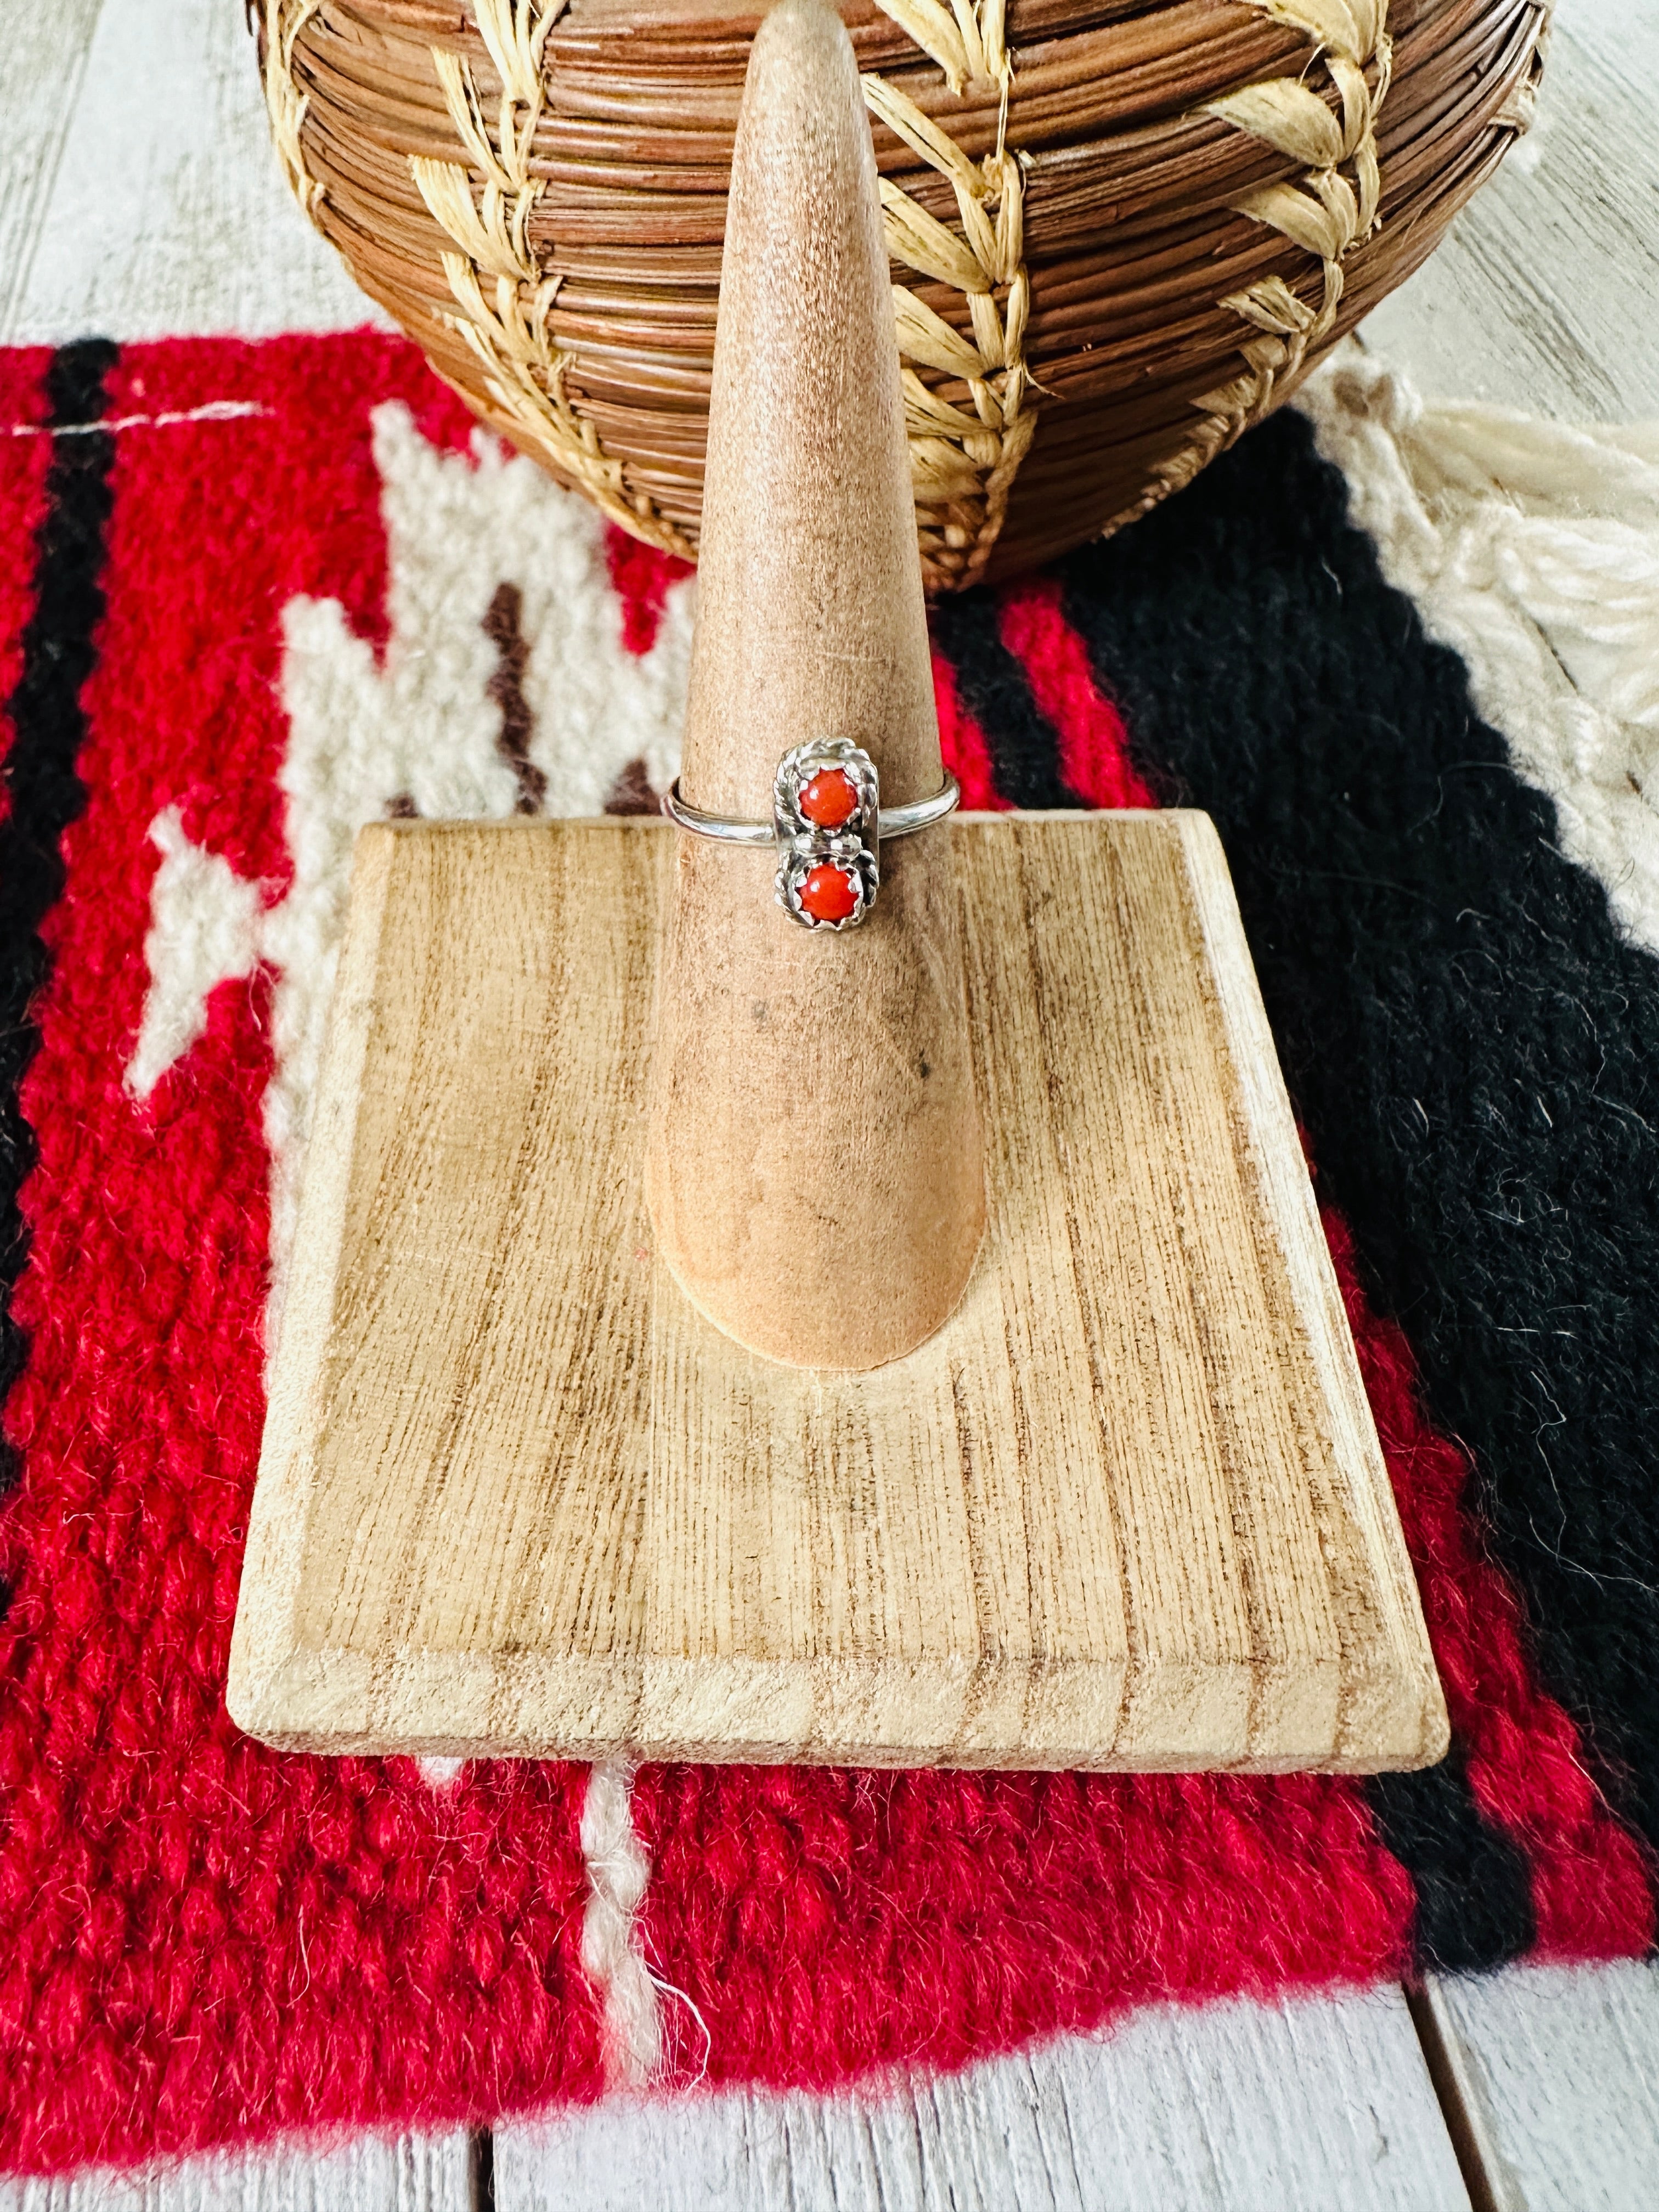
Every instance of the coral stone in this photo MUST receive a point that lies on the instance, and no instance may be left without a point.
(829, 799)
(828, 894)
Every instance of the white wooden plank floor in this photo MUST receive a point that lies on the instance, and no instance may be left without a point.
(139, 198)
(1240, 2107)
(1555, 2072)
(43, 58)
(368, 2173)
(160, 209)
(1545, 295)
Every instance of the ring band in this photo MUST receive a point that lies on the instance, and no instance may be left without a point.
(890, 821)
(827, 827)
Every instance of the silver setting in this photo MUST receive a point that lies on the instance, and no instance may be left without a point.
(853, 846)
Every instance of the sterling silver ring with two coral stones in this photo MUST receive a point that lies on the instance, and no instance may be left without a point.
(827, 825)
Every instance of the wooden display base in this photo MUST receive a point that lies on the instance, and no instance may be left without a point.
(517, 1496)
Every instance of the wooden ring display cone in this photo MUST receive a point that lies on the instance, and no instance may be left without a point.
(814, 1172)
(1107, 1495)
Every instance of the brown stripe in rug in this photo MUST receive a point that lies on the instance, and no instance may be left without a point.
(503, 625)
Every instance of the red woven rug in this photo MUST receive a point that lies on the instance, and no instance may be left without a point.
(252, 596)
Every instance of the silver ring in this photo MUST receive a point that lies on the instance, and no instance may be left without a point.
(828, 826)
(890, 821)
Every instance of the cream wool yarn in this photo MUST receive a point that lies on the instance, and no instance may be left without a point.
(1532, 548)
(617, 1872)
(204, 931)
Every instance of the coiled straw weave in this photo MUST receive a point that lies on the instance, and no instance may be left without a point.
(1122, 230)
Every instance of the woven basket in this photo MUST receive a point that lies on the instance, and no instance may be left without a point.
(1122, 230)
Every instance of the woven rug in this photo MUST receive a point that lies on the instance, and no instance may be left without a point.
(253, 597)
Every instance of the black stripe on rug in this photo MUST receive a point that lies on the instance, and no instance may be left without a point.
(45, 794)
(991, 685)
(1473, 1887)
(1473, 1045)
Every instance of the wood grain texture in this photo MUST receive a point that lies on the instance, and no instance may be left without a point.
(814, 1169)
(1553, 2072)
(1126, 1508)
(43, 56)
(168, 215)
(1542, 294)
(1307, 2107)
(365, 2173)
